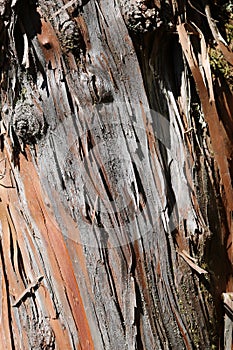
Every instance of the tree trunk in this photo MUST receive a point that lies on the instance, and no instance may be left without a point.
(116, 174)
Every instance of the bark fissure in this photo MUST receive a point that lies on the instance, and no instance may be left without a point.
(116, 187)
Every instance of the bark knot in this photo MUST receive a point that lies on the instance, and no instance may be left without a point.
(143, 16)
(28, 122)
(71, 39)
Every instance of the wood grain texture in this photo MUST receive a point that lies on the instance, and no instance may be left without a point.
(115, 177)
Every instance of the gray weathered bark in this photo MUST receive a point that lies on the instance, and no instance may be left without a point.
(116, 165)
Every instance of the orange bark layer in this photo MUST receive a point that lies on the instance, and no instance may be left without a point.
(63, 269)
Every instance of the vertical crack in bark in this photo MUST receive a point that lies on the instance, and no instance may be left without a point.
(77, 66)
(6, 305)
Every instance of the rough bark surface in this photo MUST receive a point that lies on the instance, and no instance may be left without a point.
(116, 198)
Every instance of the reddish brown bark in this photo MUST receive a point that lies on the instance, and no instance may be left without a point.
(115, 175)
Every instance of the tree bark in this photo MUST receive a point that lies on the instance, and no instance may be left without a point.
(116, 174)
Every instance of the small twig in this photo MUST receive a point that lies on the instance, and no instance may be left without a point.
(189, 256)
(189, 261)
(30, 288)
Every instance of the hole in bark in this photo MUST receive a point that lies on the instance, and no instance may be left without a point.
(48, 46)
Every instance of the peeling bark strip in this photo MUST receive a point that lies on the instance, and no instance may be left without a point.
(59, 250)
(115, 175)
(194, 266)
(220, 145)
